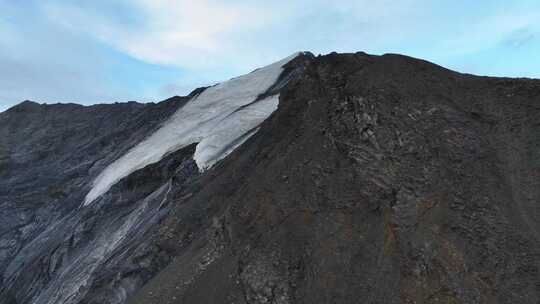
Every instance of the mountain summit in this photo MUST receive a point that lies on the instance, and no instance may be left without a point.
(341, 178)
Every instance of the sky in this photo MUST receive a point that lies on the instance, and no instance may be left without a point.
(106, 51)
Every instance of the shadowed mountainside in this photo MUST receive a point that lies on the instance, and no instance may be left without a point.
(378, 180)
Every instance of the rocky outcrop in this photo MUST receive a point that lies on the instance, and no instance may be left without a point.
(378, 180)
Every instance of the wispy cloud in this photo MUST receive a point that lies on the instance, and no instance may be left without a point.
(209, 34)
(520, 38)
(189, 34)
(54, 50)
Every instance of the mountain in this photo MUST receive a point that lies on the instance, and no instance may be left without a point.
(342, 178)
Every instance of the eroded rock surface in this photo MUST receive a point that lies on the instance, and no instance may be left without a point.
(378, 180)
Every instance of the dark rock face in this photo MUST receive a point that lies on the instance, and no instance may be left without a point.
(380, 179)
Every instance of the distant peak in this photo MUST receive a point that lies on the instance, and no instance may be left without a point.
(28, 102)
(25, 106)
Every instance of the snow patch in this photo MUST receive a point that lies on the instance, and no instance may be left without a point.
(220, 119)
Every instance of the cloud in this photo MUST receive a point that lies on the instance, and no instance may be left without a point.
(242, 34)
(189, 34)
(519, 38)
(126, 49)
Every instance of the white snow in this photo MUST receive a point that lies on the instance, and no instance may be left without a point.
(220, 119)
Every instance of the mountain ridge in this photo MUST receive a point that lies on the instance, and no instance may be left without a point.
(306, 53)
(384, 179)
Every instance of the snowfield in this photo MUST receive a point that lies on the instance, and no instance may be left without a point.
(220, 119)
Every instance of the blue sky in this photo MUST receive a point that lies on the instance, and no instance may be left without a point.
(148, 50)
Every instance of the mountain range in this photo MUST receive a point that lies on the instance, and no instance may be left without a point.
(338, 178)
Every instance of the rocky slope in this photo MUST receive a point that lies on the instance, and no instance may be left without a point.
(59, 246)
(49, 153)
(378, 179)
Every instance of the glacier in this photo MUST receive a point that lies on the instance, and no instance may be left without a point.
(219, 119)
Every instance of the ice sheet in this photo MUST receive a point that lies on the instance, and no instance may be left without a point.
(220, 119)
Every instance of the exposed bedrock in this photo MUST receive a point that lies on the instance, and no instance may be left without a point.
(378, 180)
